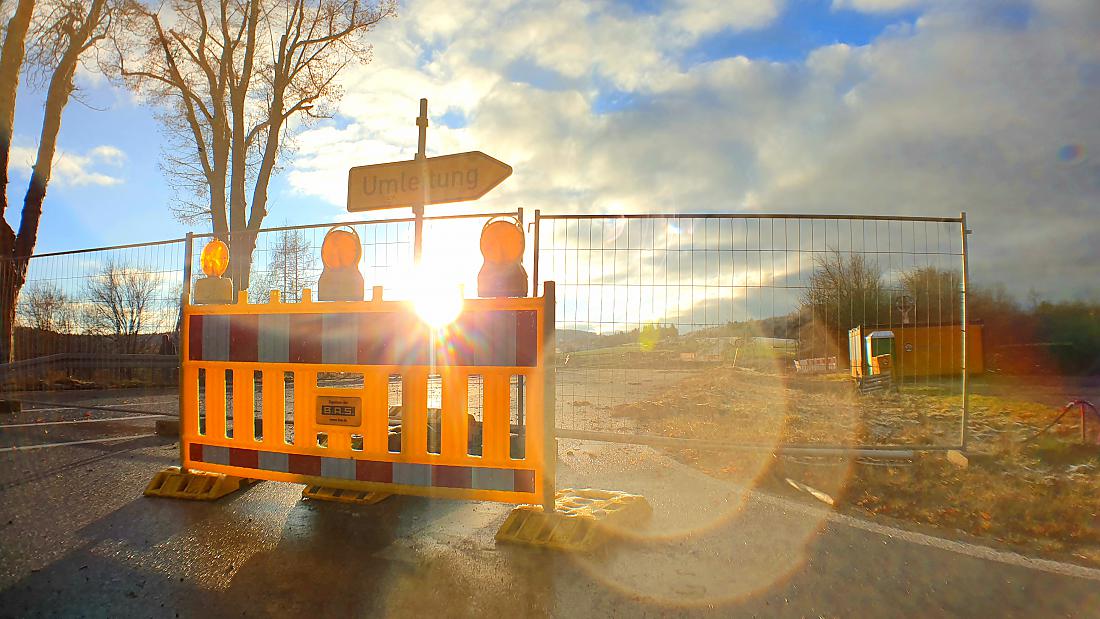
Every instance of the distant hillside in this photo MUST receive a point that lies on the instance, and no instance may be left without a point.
(572, 340)
(30, 343)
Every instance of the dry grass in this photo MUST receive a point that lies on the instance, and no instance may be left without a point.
(1042, 495)
(747, 406)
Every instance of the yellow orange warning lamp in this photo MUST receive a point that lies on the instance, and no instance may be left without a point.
(214, 288)
(502, 274)
(341, 279)
(215, 258)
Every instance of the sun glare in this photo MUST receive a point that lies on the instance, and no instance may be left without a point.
(437, 304)
(436, 287)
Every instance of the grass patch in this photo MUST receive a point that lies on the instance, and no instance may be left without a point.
(1041, 494)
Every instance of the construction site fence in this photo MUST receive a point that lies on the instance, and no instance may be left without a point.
(109, 317)
(740, 329)
(736, 309)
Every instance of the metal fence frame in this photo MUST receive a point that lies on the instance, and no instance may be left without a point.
(891, 450)
(100, 361)
(158, 267)
(964, 435)
(191, 237)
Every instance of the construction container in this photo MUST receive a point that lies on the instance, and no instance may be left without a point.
(881, 364)
(879, 343)
(919, 350)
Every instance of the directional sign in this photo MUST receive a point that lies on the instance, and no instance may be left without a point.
(434, 180)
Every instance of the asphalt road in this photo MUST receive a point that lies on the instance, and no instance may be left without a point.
(78, 539)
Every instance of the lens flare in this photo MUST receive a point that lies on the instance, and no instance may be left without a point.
(1071, 153)
(438, 305)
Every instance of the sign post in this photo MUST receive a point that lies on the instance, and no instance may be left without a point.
(418, 207)
(423, 180)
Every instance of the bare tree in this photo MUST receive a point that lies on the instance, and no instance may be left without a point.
(60, 33)
(120, 303)
(845, 291)
(231, 77)
(291, 266)
(46, 307)
(936, 294)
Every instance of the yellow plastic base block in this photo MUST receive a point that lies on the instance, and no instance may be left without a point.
(213, 291)
(582, 520)
(193, 485)
(355, 497)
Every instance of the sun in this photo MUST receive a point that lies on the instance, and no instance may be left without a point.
(438, 304)
(447, 268)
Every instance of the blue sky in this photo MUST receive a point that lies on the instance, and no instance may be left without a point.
(135, 208)
(798, 31)
(131, 204)
(905, 106)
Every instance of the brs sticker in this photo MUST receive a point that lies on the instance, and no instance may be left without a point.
(338, 410)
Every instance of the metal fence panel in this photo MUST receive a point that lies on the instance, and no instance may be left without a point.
(108, 317)
(727, 328)
(100, 317)
(736, 328)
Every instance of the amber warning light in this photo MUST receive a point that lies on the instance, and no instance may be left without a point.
(214, 288)
(503, 274)
(341, 279)
(215, 258)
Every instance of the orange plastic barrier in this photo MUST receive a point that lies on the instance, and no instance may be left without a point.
(252, 405)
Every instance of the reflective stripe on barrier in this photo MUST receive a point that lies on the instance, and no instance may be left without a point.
(493, 338)
(265, 359)
(406, 473)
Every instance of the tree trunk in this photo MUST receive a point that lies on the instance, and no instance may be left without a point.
(11, 63)
(241, 246)
(12, 269)
(7, 308)
(9, 293)
(17, 249)
(7, 334)
(10, 282)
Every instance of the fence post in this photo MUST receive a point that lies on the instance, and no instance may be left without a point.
(535, 259)
(965, 431)
(549, 422)
(185, 298)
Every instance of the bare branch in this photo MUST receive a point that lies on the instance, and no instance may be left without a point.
(237, 72)
(119, 299)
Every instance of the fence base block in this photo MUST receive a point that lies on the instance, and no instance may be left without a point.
(193, 485)
(582, 520)
(338, 495)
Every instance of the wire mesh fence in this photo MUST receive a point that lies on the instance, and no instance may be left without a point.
(773, 330)
(763, 330)
(107, 318)
(98, 317)
(288, 258)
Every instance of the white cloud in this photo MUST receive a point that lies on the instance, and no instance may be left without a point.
(707, 16)
(875, 6)
(105, 153)
(72, 169)
(954, 113)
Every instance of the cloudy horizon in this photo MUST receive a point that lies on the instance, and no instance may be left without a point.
(903, 107)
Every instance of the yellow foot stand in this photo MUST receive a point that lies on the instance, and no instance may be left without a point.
(194, 485)
(582, 520)
(355, 497)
